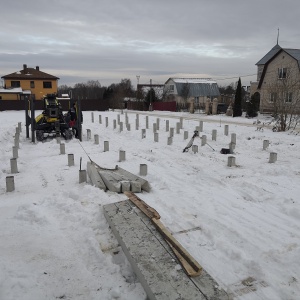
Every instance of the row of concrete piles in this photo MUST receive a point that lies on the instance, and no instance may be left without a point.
(10, 181)
(10, 185)
(179, 126)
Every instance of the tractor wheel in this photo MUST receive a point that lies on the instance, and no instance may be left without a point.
(39, 135)
(68, 134)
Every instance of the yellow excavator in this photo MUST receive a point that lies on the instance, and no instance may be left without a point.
(52, 122)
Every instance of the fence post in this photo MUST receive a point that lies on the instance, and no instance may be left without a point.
(10, 183)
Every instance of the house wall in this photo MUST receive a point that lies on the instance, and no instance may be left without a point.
(39, 91)
(283, 60)
(10, 96)
(167, 88)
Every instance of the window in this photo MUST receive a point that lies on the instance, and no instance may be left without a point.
(273, 97)
(288, 97)
(47, 84)
(15, 84)
(32, 84)
(171, 87)
(282, 73)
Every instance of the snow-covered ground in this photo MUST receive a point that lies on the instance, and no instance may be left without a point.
(242, 223)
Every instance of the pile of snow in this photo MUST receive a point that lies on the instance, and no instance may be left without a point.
(242, 223)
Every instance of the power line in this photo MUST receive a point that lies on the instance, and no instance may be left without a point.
(236, 77)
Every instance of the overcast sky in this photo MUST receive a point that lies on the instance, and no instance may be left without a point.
(108, 40)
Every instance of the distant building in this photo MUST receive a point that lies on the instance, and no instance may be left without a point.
(29, 79)
(13, 94)
(186, 90)
(278, 68)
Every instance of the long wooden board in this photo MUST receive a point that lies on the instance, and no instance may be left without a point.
(190, 265)
(142, 205)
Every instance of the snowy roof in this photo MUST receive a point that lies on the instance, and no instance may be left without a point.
(198, 87)
(11, 91)
(14, 91)
(193, 80)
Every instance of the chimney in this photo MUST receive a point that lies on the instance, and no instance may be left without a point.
(37, 68)
(24, 67)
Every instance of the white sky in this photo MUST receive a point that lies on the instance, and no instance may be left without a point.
(110, 40)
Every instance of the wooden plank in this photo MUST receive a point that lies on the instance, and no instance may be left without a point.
(190, 265)
(183, 252)
(186, 266)
(143, 206)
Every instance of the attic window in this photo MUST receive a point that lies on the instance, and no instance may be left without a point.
(282, 73)
(171, 87)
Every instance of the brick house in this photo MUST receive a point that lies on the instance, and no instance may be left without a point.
(30, 79)
(278, 78)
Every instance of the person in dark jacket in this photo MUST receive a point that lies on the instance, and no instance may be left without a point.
(73, 112)
(72, 118)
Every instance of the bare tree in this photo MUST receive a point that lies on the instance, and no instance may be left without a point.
(284, 93)
(185, 92)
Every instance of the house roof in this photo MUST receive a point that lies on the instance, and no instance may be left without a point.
(198, 87)
(295, 53)
(269, 55)
(29, 73)
(14, 91)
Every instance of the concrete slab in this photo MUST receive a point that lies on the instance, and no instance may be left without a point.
(95, 176)
(134, 178)
(116, 180)
(152, 259)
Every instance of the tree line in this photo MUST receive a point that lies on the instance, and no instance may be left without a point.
(285, 110)
(114, 94)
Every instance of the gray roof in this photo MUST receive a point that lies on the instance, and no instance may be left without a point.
(269, 55)
(295, 53)
(198, 89)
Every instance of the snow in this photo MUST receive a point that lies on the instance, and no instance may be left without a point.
(194, 80)
(242, 223)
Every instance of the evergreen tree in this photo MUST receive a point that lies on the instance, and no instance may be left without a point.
(150, 97)
(237, 106)
(252, 107)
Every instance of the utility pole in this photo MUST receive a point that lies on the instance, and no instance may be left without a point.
(137, 86)
(150, 106)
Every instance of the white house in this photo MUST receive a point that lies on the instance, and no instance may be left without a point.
(197, 90)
